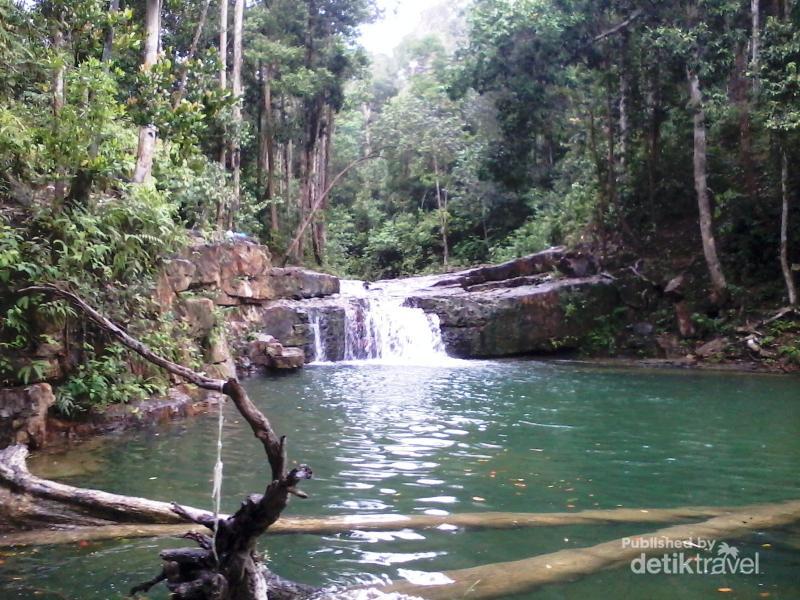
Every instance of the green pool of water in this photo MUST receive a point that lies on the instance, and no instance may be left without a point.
(483, 436)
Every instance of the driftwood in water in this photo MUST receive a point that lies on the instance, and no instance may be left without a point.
(332, 525)
(502, 580)
(227, 567)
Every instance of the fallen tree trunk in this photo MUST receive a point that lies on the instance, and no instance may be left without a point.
(501, 580)
(28, 501)
(333, 525)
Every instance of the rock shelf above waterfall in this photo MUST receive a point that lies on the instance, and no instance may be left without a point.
(536, 304)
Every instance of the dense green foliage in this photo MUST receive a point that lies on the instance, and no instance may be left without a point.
(523, 124)
(572, 124)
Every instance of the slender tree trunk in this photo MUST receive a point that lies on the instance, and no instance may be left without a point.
(611, 158)
(441, 203)
(268, 145)
(319, 232)
(108, 42)
(184, 71)
(223, 70)
(718, 283)
(148, 133)
(83, 180)
(755, 39)
(624, 93)
(306, 220)
(236, 88)
(602, 183)
(654, 134)
(788, 276)
(366, 113)
(58, 100)
(739, 89)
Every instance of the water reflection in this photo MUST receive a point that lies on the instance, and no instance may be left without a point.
(499, 436)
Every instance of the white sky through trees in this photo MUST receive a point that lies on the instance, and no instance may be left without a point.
(400, 17)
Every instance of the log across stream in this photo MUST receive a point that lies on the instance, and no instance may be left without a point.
(52, 510)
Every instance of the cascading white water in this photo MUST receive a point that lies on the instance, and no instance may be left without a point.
(378, 327)
(316, 329)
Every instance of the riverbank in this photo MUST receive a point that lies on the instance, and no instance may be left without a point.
(239, 315)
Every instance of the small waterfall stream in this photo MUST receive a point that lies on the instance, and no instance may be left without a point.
(378, 327)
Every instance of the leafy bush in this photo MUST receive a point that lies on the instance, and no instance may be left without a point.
(101, 380)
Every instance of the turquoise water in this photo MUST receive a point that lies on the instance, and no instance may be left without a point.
(480, 436)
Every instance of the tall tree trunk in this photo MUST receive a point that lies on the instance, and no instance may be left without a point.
(108, 42)
(755, 39)
(366, 113)
(624, 93)
(718, 283)
(58, 99)
(236, 88)
(268, 145)
(319, 232)
(148, 133)
(223, 70)
(84, 178)
(788, 276)
(184, 71)
(611, 158)
(739, 91)
(441, 203)
(602, 182)
(654, 134)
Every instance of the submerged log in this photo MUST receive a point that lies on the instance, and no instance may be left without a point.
(501, 580)
(333, 525)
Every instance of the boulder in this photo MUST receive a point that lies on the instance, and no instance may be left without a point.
(23, 414)
(206, 259)
(289, 358)
(216, 348)
(572, 264)
(179, 274)
(268, 352)
(243, 259)
(199, 314)
(520, 320)
(299, 283)
(715, 347)
(255, 290)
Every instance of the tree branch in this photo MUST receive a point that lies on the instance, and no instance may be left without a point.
(619, 27)
(318, 202)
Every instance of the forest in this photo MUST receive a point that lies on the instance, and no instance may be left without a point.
(508, 127)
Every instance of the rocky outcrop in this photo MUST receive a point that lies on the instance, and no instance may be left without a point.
(23, 414)
(236, 273)
(520, 318)
(266, 351)
(237, 278)
(179, 401)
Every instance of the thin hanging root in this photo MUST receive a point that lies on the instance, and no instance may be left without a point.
(501, 580)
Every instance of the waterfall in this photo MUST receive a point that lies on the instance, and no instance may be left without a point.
(314, 320)
(378, 327)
